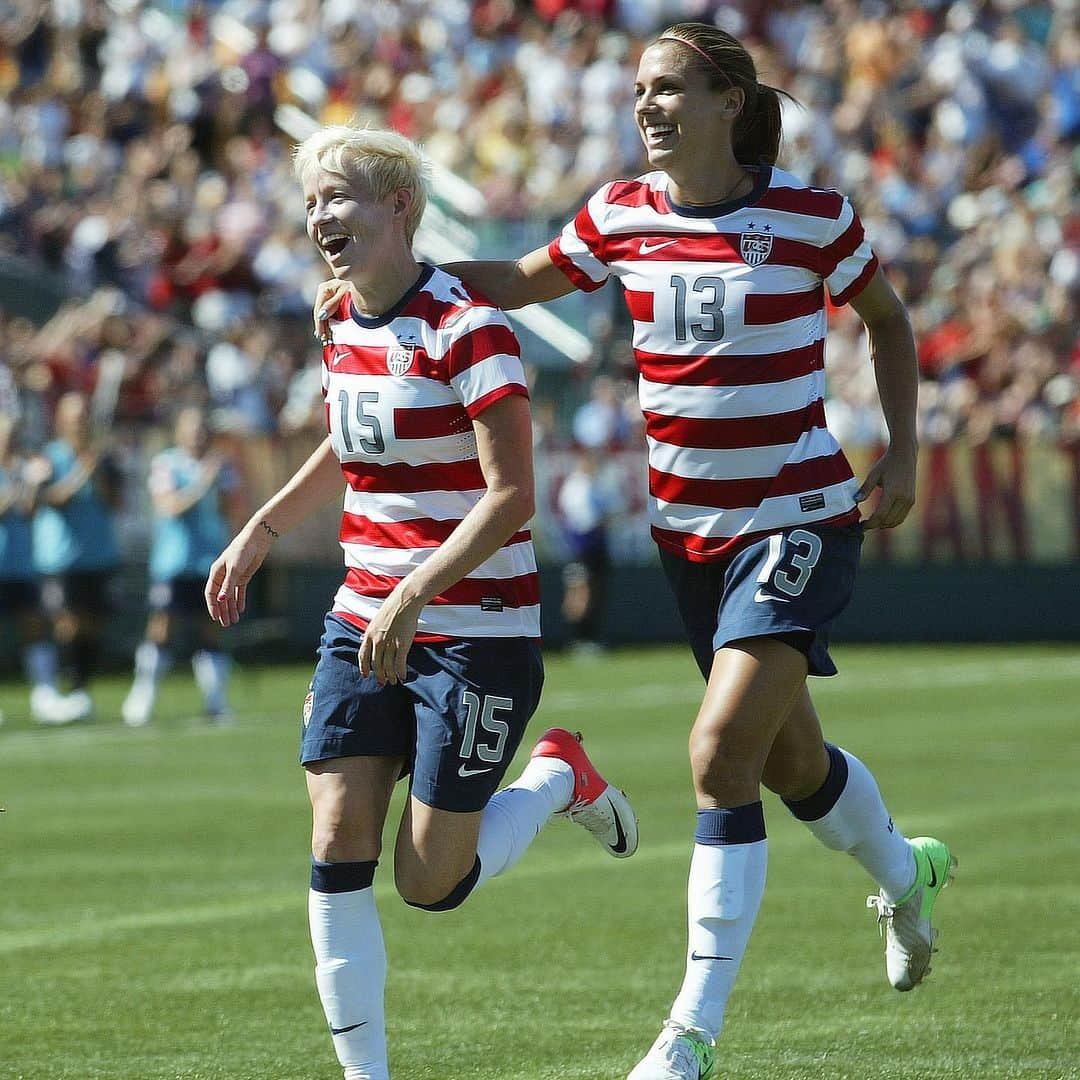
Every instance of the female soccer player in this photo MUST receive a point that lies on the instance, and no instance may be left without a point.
(76, 550)
(724, 260)
(188, 483)
(429, 663)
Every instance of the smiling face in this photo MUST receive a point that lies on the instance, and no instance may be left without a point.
(683, 120)
(354, 231)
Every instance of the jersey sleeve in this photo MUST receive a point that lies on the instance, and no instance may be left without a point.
(849, 260)
(576, 250)
(483, 359)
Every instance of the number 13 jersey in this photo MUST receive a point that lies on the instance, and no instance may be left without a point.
(401, 392)
(728, 305)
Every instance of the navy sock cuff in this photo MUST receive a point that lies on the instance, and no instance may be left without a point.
(731, 825)
(339, 877)
(824, 799)
(457, 895)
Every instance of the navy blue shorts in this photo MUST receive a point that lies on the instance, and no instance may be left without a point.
(457, 719)
(84, 591)
(179, 596)
(790, 585)
(18, 596)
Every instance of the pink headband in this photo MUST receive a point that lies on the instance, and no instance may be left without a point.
(702, 53)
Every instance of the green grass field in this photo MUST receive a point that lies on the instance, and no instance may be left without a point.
(153, 888)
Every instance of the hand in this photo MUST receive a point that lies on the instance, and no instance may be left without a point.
(328, 299)
(37, 471)
(227, 582)
(211, 468)
(894, 473)
(384, 651)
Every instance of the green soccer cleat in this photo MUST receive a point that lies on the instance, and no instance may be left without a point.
(679, 1053)
(909, 936)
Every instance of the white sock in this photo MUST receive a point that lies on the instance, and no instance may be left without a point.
(727, 882)
(151, 662)
(41, 664)
(515, 815)
(211, 670)
(350, 972)
(859, 824)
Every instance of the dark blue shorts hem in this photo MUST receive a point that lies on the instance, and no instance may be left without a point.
(818, 660)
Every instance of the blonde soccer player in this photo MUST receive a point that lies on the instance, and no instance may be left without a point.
(430, 661)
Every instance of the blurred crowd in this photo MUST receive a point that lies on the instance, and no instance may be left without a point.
(145, 164)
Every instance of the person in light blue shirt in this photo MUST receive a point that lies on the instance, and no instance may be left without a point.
(20, 484)
(75, 550)
(188, 484)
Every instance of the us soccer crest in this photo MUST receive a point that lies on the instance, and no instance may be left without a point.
(400, 358)
(755, 247)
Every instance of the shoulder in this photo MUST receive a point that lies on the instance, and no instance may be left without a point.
(446, 303)
(646, 191)
(788, 192)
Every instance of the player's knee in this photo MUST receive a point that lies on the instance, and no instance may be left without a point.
(66, 627)
(159, 628)
(719, 765)
(329, 843)
(435, 892)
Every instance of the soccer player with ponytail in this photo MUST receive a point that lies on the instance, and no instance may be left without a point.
(724, 259)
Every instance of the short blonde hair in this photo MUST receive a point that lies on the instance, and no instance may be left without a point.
(383, 161)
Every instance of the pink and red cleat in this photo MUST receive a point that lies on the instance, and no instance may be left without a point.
(603, 810)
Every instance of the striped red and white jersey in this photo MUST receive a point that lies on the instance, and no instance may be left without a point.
(728, 304)
(401, 392)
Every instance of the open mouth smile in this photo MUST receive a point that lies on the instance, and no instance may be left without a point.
(656, 133)
(334, 243)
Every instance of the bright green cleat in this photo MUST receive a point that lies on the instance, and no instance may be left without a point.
(679, 1053)
(909, 936)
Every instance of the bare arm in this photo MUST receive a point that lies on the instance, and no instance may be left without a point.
(533, 279)
(173, 503)
(504, 447)
(313, 484)
(896, 371)
(63, 491)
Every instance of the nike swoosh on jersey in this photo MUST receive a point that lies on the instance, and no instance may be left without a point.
(647, 249)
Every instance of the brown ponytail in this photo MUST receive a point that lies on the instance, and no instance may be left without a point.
(757, 133)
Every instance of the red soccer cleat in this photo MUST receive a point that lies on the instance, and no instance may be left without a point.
(603, 810)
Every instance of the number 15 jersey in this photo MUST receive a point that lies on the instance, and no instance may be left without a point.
(401, 391)
(728, 304)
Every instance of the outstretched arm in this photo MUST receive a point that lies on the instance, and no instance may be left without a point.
(533, 279)
(313, 484)
(896, 371)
